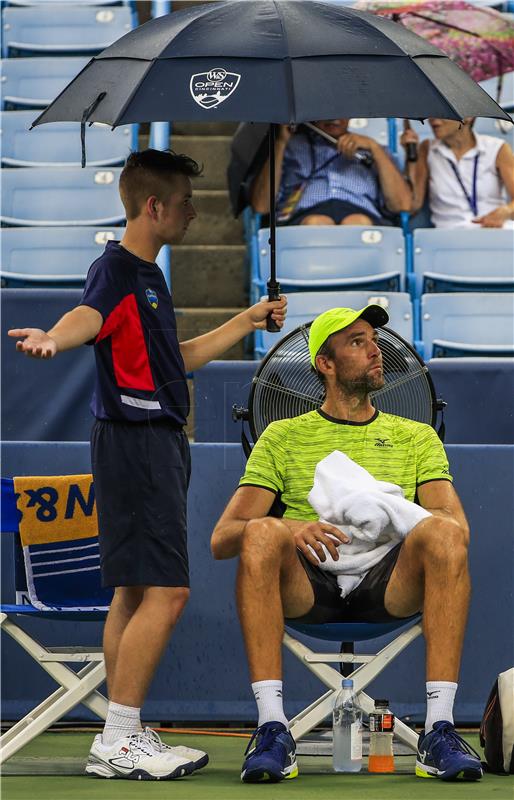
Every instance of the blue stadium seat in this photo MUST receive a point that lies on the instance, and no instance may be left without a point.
(67, 196)
(333, 257)
(129, 3)
(58, 143)
(51, 257)
(68, 30)
(35, 82)
(496, 127)
(304, 306)
(462, 260)
(467, 324)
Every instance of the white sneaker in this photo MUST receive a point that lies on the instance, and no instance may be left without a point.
(137, 757)
(198, 758)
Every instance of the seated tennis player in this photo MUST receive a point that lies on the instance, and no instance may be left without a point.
(283, 563)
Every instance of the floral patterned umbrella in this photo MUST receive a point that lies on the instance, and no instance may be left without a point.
(479, 39)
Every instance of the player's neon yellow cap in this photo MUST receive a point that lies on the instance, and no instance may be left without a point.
(336, 319)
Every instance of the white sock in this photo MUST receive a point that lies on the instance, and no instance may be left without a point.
(121, 721)
(268, 696)
(440, 699)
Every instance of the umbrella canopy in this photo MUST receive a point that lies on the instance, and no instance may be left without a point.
(480, 40)
(269, 61)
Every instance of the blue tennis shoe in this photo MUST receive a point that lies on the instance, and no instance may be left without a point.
(270, 755)
(442, 753)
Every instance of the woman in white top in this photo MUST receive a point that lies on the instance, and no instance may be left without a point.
(470, 177)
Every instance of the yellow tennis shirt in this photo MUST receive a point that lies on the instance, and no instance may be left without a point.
(391, 448)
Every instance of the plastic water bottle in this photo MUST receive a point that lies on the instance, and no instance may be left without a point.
(381, 728)
(347, 726)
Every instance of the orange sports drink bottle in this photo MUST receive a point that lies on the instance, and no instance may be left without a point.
(381, 728)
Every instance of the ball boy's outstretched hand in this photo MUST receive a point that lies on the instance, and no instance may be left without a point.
(34, 342)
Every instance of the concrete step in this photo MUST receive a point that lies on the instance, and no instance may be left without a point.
(215, 223)
(209, 275)
(211, 151)
(192, 322)
(204, 128)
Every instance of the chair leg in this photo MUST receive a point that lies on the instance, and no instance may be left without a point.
(304, 722)
(32, 725)
(76, 687)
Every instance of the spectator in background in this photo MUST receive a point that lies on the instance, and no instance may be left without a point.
(351, 182)
(470, 176)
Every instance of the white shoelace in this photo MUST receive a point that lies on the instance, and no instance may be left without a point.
(145, 743)
(156, 740)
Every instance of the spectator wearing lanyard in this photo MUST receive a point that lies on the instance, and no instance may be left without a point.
(319, 183)
(470, 177)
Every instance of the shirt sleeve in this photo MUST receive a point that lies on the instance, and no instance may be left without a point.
(266, 464)
(105, 288)
(431, 459)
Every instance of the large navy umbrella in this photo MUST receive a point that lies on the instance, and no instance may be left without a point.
(274, 61)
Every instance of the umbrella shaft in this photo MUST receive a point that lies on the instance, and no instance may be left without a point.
(272, 217)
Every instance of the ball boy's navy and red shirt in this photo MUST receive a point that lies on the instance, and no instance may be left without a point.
(140, 373)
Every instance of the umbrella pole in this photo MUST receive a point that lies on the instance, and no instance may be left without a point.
(273, 286)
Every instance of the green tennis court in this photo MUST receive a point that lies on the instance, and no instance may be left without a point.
(220, 779)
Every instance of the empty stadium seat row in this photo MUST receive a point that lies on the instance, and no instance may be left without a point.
(58, 144)
(347, 257)
(452, 324)
(70, 29)
(48, 197)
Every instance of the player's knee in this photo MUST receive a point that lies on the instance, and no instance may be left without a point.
(445, 541)
(264, 538)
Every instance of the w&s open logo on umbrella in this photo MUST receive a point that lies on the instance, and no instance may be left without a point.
(211, 88)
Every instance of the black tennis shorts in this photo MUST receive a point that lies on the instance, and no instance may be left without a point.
(364, 604)
(141, 473)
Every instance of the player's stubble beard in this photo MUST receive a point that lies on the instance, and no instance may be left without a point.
(361, 386)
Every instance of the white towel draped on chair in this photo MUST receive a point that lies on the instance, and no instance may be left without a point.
(374, 514)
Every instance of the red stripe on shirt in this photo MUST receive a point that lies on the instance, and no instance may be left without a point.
(129, 354)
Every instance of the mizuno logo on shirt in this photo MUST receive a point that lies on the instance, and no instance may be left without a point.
(382, 442)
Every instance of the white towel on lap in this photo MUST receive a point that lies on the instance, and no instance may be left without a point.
(374, 514)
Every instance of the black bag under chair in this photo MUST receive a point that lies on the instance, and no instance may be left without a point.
(497, 726)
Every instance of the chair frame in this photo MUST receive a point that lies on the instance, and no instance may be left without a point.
(371, 665)
(74, 687)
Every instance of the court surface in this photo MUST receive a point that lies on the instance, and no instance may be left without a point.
(220, 779)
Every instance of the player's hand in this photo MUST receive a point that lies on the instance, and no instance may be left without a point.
(259, 312)
(314, 535)
(34, 342)
(349, 143)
